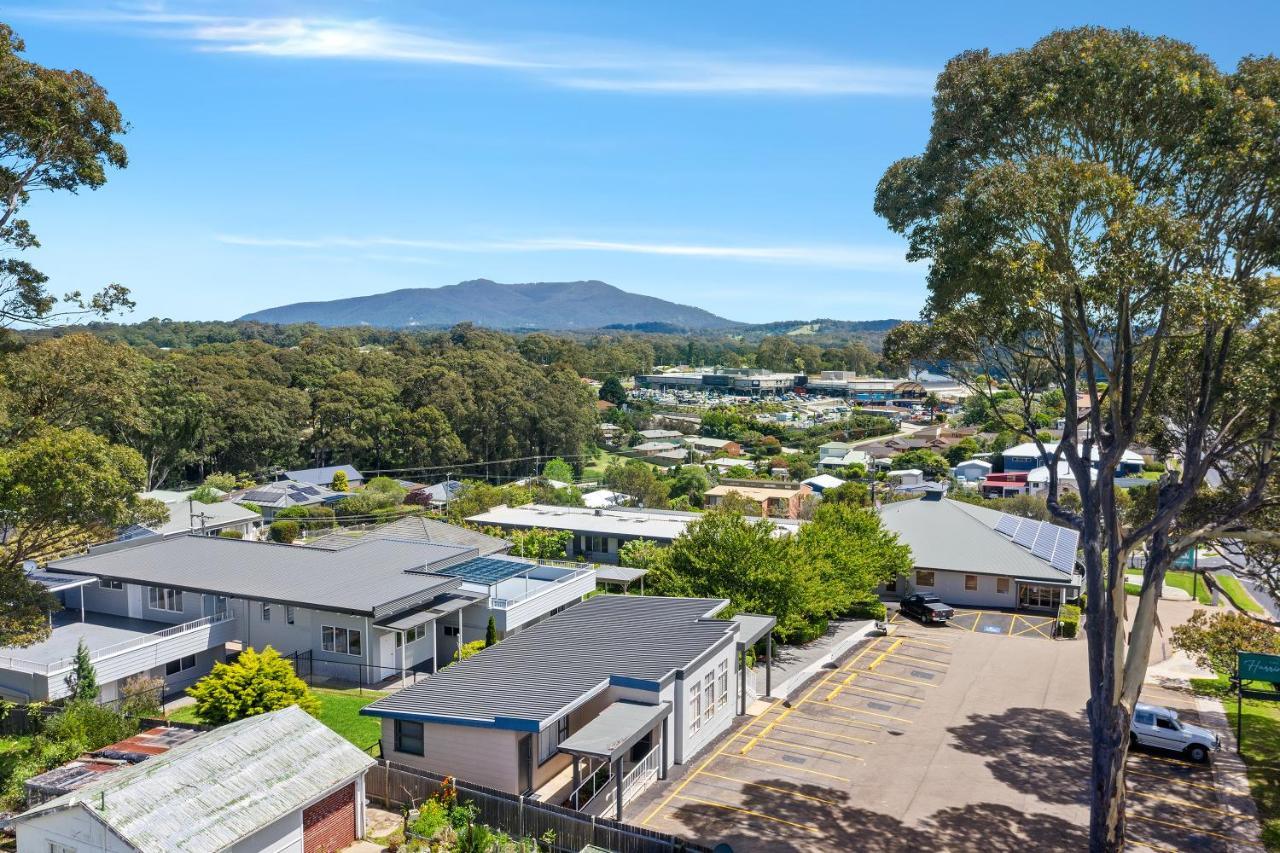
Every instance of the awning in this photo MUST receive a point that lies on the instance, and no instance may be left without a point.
(409, 620)
(615, 730)
(405, 621)
(58, 581)
(753, 627)
(619, 574)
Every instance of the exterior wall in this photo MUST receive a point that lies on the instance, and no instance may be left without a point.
(306, 632)
(949, 586)
(74, 828)
(1022, 463)
(281, 836)
(534, 608)
(330, 824)
(482, 755)
(112, 601)
(685, 742)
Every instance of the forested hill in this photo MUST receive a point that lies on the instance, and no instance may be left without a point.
(543, 305)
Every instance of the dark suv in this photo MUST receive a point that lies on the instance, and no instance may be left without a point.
(926, 607)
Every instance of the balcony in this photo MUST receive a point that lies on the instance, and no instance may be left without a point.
(544, 587)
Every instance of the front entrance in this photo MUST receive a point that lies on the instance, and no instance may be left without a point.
(1036, 597)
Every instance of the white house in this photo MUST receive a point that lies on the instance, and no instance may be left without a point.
(835, 455)
(598, 700)
(972, 470)
(281, 781)
(821, 482)
(906, 477)
(188, 516)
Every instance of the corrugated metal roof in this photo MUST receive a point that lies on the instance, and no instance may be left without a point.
(284, 493)
(615, 729)
(185, 515)
(530, 679)
(660, 525)
(417, 528)
(324, 476)
(211, 792)
(358, 579)
(951, 536)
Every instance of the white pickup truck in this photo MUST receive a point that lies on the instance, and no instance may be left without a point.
(1159, 727)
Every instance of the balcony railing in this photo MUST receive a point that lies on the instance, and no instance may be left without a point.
(52, 667)
(545, 585)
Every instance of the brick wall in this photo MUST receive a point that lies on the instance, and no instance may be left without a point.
(330, 824)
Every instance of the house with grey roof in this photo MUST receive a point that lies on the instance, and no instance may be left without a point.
(375, 610)
(971, 555)
(189, 516)
(324, 476)
(270, 498)
(586, 708)
(278, 781)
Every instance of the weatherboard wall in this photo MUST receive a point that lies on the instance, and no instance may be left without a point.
(74, 828)
(485, 756)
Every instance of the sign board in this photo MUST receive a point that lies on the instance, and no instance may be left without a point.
(1187, 561)
(1259, 667)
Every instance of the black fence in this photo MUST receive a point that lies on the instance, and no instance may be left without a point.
(28, 718)
(346, 675)
(401, 787)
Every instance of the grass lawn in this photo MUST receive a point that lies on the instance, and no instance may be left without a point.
(594, 470)
(339, 710)
(1240, 597)
(1261, 752)
(1178, 580)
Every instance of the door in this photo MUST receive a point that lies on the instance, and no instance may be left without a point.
(524, 750)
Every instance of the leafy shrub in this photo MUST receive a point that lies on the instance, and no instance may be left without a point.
(94, 726)
(871, 609)
(468, 649)
(255, 684)
(309, 517)
(230, 534)
(1069, 621)
(206, 494)
(221, 482)
(1156, 467)
(283, 531)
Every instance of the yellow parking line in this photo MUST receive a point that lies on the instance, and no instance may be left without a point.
(844, 721)
(921, 660)
(818, 749)
(896, 696)
(1187, 764)
(1012, 621)
(793, 767)
(835, 691)
(1129, 771)
(812, 829)
(772, 788)
(1193, 829)
(871, 713)
(818, 733)
(919, 682)
(1186, 804)
(911, 638)
(1033, 628)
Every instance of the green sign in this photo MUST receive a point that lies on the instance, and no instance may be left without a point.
(1259, 667)
(1187, 561)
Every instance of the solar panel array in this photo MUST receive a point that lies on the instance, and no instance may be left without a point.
(486, 570)
(1051, 543)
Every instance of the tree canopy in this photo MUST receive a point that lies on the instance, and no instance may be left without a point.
(256, 683)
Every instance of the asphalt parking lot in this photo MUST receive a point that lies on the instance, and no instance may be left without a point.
(933, 738)
(999, 622)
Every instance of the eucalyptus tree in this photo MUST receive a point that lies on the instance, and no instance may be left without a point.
(1099, 215)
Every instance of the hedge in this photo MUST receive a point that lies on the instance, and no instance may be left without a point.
(1069, 621)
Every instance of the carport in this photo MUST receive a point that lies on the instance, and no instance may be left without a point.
(623, 576)
(611, 735)
(752, 628)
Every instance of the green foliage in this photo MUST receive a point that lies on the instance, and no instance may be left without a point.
(689, 482)
(283, 531)
(256, 683)
(1237, 594)
(364, 502)
(1069, 620)
(85, 722)
(855, 494)
(558, 469)
(849, 554)
(469, 649)
(539, 543)
(1212, 640)
(82, 680)
(934, 466)
(340, 482)
(206, 494)
(309, 517)
(637, 479)
(221, 482)
(612, 391)
(963, 449)
(490, 633)
(250, 505)
(386, 486)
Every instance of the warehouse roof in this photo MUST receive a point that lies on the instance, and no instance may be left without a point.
(532, 678)
(948, 535)
(218, 789)
(357, 579)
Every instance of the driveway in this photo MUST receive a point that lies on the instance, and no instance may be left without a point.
(931, 738)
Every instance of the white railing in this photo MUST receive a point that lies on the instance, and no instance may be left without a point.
(635, 782)
(98, 654)
(546, 585)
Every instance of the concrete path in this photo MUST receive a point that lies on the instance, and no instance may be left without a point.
(794, 665)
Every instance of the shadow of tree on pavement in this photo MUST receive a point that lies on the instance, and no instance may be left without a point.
(1036, 751)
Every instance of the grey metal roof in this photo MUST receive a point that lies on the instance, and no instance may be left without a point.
(615, 730)
(951, 536)
(619, 574)
(184, 515)
(531, 678)
(362, 579)
(55, 581)
(660, 525)
(284, 493)
(324, 476)
(417, 528)
(216, 790)
(753, 627)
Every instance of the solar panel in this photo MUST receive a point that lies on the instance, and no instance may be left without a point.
(1007, 524)
(1064, 550)
(1045, 541)
(1026, 532)
(486, 570)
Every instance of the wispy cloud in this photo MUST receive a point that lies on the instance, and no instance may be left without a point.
(866, 258)
(565, 63)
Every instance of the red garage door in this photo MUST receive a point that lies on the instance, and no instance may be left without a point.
(330, 824)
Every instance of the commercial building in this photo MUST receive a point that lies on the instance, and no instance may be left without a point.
(974, 556)
(747, 381)
(776, 499)
(365, 613)
(585, 709)
(274, 782)
(868, 389)
(598, 534)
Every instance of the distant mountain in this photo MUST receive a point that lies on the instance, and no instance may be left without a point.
(544, 305)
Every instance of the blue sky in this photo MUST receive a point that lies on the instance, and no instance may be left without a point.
(722, 154)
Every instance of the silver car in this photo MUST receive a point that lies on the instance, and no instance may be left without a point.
(1159, 727)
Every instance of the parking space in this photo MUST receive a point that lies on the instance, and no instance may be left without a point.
(1175, 804)
(773, 781)
(999, 622)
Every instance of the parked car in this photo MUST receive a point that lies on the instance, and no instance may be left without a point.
(926, 607)
(1159, 727)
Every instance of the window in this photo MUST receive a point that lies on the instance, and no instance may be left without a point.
(163, 598)
(55, 847)
(1145, 718)
(106, 584)
(1166, 723)
(970, 583)
(289, 613)
(343, 641)
(409, 737)
(266, 612)
(924, 578)
(709, 699)
(722, 685)
(551, 738)
(1002, 586)
(891, 585)
(174, 667)
(451, 630)
(695, 707)
(417, 632)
